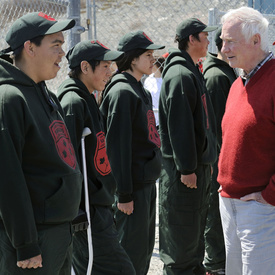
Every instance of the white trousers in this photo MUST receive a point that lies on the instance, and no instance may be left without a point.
(249, 232)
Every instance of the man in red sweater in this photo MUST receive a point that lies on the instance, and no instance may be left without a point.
(247, 159)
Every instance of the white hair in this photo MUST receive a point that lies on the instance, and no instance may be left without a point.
(252, 22)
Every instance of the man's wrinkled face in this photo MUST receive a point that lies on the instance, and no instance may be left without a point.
(237, 50)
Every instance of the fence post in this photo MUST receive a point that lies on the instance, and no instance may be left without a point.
(212, 22)
(94, 17)
(89, 19)
(74, 13)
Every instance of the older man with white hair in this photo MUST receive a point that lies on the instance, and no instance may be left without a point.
(247, 159)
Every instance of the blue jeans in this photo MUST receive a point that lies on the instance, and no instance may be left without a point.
(249, 232)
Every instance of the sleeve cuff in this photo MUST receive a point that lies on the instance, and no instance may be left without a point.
(124, 198)
(28, 252)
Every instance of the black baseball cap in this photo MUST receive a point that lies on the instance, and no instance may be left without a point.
(91, 50)
(218, 39)
(192, 26)
(137, 40)
(33, 25)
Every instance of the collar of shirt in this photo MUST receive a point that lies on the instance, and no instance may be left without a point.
(247, 77)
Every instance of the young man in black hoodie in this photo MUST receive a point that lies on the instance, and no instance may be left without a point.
(188, 144)
(40, 186)
(219, 77)
(90, 71)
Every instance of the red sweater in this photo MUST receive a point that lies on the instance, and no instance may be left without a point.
(247, 158)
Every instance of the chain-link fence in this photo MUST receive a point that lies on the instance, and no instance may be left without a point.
(10, 10)
(159, 18)
(108, 20)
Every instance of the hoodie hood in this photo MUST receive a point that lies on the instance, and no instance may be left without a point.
(9, 74)
(120, 77)
(73, 85)
(77, 86)
(178, 57)
(212, 61)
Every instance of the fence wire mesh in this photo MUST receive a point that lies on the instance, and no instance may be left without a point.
(13, 9)
(108, 20)
(159, 18)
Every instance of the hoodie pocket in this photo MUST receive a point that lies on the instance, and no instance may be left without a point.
(63, 205)
(152, 167)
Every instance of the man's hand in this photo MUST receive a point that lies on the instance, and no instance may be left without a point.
(257, 196)
(189, 180)
(127, 208)
(34, 262)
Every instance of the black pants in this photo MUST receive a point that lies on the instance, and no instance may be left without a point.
(109, 256)
(214, 241)
(56, 246)
(182, 220)
(137, 231)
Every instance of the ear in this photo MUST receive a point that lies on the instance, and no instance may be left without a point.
(29, 48)
(84, 65)
(256, 39)
(134, 61)
(191, 39)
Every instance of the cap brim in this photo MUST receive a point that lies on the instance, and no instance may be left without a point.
(61, 26)
(111, 56)
(210, 28)
(154, 47)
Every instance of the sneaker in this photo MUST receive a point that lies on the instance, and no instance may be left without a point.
(216, 272)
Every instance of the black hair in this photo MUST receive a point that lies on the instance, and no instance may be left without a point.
(75, 72)
(125, 62)
(183, 43)
(17, 53)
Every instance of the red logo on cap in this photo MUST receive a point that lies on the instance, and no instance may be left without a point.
(200, 21)
(47, 17)
(147, 37)
(99, 43)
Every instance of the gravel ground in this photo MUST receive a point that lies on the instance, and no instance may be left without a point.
(156, 263)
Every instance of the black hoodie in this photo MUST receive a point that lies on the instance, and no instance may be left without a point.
(81, 110)
(187, 120)
(40, 178)
(132, 138)
(219, 77)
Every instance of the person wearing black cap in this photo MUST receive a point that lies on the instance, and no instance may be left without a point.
(40, 187)
(90, 62)
(133, 148)
(219, 77)
(188, 138)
